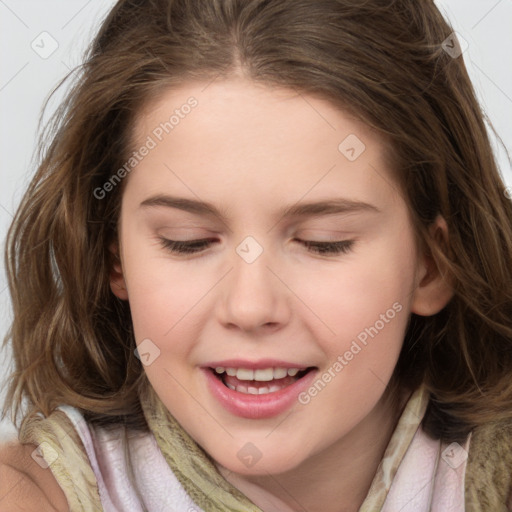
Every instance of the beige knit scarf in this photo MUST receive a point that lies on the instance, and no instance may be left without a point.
(488, 481)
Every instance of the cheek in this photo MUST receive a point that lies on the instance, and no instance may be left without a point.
(161, 295)
(354, 294)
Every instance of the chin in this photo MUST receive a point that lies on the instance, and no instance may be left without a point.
(278, 463)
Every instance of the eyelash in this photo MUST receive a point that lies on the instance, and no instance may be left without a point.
(196, 246)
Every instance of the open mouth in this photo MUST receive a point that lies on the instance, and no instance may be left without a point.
(260, 381)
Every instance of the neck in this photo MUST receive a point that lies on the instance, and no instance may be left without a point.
(334, 480)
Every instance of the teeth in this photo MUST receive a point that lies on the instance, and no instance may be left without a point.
(264, 375)
(244, 374)
(250, 390)
(261, 375)
(280, 373)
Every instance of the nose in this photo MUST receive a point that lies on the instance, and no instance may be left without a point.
(254, 299)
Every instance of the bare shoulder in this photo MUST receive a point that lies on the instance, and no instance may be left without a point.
(26, 485)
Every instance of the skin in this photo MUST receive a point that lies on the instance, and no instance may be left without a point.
(250, 150)
(24, 484)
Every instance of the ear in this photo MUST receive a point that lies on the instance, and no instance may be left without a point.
(433, 291)
(117, 282)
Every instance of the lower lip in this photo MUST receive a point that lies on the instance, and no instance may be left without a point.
(257, 406)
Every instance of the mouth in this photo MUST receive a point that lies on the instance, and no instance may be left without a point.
(257, 390)
(260, 381)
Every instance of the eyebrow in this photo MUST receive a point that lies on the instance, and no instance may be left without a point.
(313, 209)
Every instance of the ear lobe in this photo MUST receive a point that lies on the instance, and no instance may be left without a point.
(117, 282)
(433, 292)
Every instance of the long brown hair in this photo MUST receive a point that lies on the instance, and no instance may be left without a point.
(381, 60)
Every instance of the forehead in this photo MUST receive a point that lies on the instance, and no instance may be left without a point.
(234, 132)
(239, 102)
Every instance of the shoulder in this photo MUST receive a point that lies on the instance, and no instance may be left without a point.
(59, 439)
(25, 484)
(489, 465)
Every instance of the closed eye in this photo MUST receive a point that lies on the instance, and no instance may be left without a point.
(341, 247)
(188, 247)
(196, 246)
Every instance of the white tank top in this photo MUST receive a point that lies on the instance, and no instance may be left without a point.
(159, 488)
(429, 478)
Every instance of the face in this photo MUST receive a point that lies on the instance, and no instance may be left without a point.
(300, 287)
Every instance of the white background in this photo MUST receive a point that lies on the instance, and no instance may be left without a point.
(26, 79)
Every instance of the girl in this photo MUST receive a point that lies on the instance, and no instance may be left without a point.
(265, 265)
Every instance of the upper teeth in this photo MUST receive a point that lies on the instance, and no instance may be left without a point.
(264, 374)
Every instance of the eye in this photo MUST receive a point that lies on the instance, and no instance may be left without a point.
(341, 247)
(182, 247)
(194, 246)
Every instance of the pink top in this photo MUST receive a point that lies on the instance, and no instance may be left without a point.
(428, 478)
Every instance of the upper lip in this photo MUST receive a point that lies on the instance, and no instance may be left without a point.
(254, 365)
